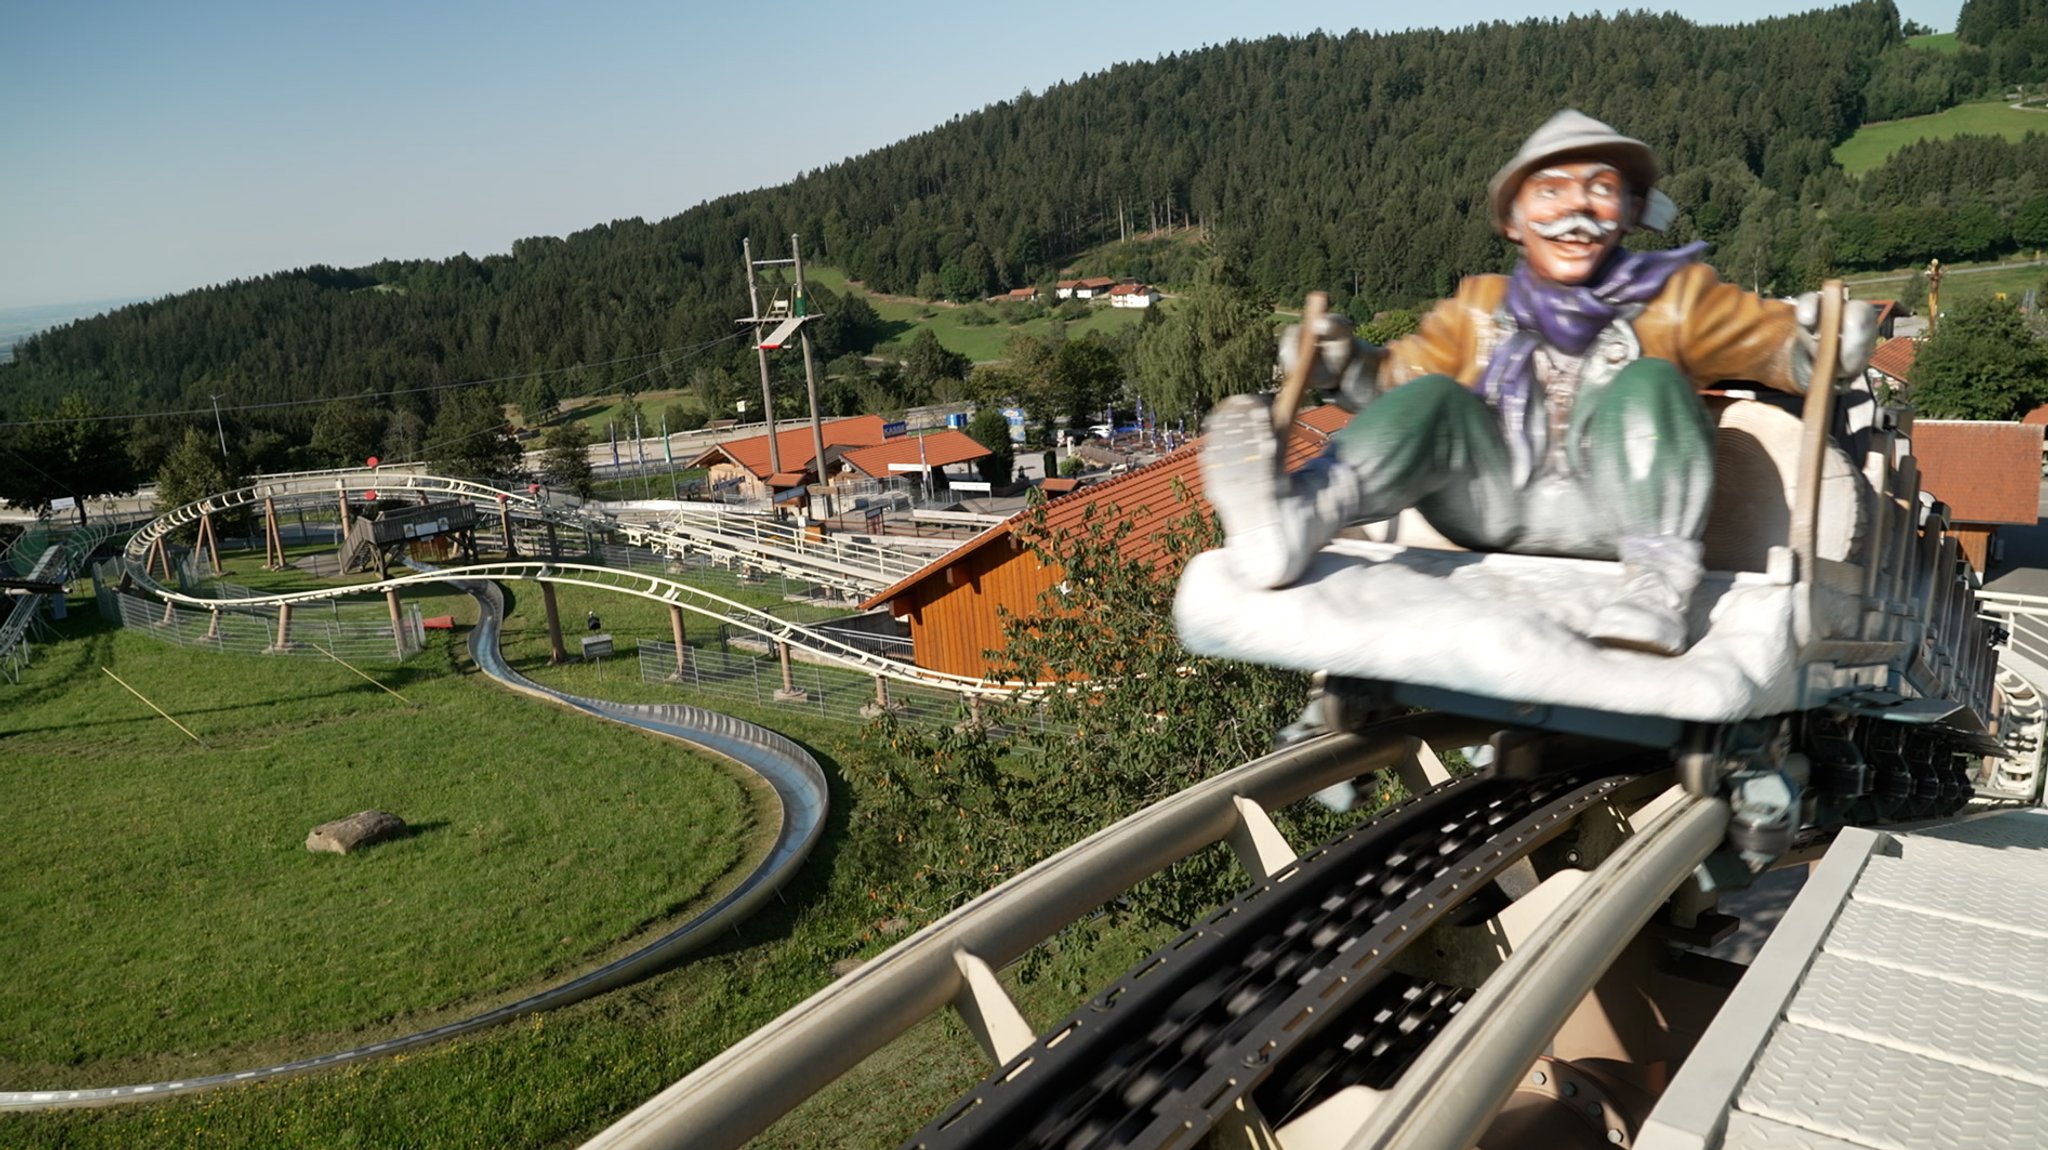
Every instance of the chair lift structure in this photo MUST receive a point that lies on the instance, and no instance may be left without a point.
(789, 314)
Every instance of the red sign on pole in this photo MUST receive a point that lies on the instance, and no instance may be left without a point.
(370, 495)
(372, 461)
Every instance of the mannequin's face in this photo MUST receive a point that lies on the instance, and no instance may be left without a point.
(1568, 218)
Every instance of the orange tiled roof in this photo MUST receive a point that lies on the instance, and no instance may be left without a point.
(1894, 357)
(1986, 472)
(1149, 497)
(938, 449)
(793, 444)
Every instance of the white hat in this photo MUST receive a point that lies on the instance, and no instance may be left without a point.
(1573, 135)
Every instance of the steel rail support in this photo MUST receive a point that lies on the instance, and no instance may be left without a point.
(741, 1092)
(1446, 1099)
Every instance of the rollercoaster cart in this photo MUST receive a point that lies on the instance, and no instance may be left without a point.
(1838, 670)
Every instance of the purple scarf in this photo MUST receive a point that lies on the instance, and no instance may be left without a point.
(1566, 317)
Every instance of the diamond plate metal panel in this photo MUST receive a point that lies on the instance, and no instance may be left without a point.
(1888, 1098)
(2005, 889)
(1945, 947)
(1750, 1132)
(1919, 1013)
(2007, 830)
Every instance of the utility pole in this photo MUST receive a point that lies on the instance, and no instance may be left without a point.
(220, 430)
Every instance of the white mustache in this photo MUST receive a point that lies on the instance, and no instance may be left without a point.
(1582, 226)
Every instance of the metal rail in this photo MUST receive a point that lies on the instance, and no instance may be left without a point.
(647, 586)
(1444, 1101)
(950, 963)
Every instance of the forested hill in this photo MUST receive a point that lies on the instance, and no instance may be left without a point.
(1355, 163)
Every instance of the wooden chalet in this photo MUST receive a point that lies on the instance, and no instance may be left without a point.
(953, 605)
(1989, 474)
(744, 462)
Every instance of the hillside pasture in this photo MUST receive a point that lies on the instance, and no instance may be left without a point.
(1874, 143)
(165, 919)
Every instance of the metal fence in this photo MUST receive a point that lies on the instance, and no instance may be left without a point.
(715, 676)
(357, 632)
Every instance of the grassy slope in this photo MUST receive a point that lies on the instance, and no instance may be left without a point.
(165, 918)
(1963, 282)
(558, 1078)
(902, 317)
(1942, 42)
(1873, 143)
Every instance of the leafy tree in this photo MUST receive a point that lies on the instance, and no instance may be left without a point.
(1981, 363)
(348, 432)
(927, 361)
(74, 451)
(538, 400)
(192, 471)
(1218, 342)
(470, 438)
(992, 430)
(1150, 720)
(1087, 374)
(565, 459)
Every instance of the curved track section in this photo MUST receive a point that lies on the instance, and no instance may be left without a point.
(796, 777)
(653, 587)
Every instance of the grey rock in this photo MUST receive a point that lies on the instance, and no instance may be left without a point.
(358, 830)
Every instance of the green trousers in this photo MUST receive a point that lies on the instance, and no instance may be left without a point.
(1640, 450)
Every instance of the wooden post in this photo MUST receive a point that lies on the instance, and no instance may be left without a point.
(207, 537)
(284, 627)
(505, 523)
(789, 692)
(675, 626)
(213, 625)
(557, 654)
(341, 493)
(397, 621)
(273, 540)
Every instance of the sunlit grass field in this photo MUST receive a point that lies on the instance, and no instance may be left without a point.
(267, 951)
(951, 324)
(164, 917)
(1874, 143)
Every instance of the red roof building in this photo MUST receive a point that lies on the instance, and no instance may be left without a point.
(954, 605)
(745, 461)
(1893, 359)
(1988, 473)
(935, 449)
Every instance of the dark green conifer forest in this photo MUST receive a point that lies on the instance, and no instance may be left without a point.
(1353, 163)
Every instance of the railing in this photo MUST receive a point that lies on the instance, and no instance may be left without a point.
(717, 676)
(2022, 672)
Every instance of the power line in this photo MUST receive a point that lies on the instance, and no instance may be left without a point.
(371, 394)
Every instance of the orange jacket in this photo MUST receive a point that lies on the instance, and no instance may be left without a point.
(1711, 330)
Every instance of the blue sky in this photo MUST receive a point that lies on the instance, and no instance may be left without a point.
(149, 148)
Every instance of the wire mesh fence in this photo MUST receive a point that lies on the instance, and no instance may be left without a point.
(357, 632)
(711, 676)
